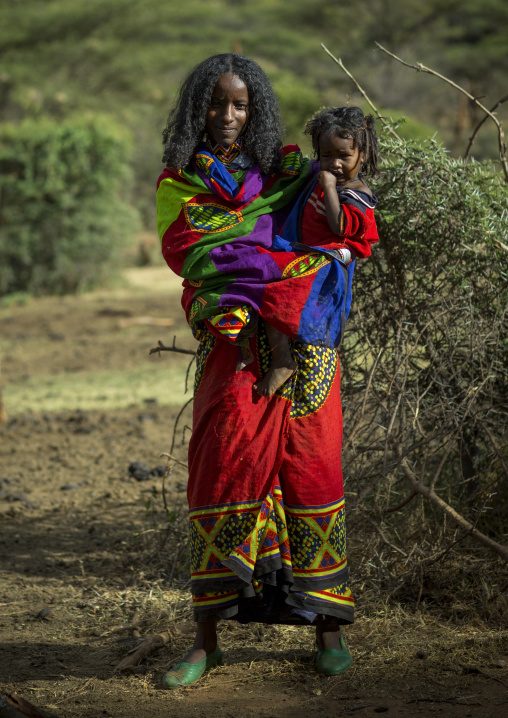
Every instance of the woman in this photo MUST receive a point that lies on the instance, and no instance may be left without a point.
(265, 482)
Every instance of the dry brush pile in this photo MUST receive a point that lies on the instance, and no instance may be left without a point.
(425, 375)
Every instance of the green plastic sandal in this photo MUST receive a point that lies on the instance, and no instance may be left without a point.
(331, 661)
(183, 674)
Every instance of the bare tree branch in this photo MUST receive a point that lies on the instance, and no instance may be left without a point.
(362, 92)
(431, 496)
(401, 505)
(385, 539)
(173, 458)
(480, 124)
(422, 68)
(162, 348)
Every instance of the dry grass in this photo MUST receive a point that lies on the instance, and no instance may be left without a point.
(446, 615)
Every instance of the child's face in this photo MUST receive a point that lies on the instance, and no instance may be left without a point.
(338, 156)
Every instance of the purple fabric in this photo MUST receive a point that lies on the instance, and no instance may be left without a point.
(252, 269)
(253, 183)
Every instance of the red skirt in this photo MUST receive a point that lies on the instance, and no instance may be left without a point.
(265, 490)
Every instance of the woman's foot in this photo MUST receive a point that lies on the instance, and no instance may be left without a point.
(328, 633)
(203, 655)
(333, 657)
(204, 643)
(185, 673)
(275, 378)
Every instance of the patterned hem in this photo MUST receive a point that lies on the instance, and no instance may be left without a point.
(327, 603)
(276, 602)
(264, 574)
(276, 558)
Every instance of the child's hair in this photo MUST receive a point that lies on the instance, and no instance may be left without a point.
(347, 122)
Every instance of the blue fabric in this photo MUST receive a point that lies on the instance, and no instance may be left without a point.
(327, 308)
(218, 173)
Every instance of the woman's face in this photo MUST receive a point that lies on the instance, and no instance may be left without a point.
(228, 112)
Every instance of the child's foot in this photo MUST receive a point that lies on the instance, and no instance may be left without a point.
(275, 378)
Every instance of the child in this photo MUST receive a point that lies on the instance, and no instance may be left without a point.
(339, 213)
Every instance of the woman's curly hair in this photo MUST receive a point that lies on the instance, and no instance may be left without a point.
(262, 137)
(347, 122)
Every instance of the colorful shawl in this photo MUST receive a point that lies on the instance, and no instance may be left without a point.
(216, 228)
(219, 231)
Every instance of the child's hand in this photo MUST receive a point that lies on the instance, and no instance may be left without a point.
(327, 180)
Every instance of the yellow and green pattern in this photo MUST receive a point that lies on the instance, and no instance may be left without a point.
(231, 322)
(234, 546)
(303, 266)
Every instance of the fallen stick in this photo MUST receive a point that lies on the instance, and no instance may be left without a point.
(151, 644)
(131, 626)
(135, 623)
(13, 706)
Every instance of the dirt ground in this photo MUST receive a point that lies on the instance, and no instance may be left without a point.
(91, 563)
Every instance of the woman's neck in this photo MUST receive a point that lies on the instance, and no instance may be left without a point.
(225, 154)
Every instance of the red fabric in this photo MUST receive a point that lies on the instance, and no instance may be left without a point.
(282, 302)
(265, 489)
(358, 228)
(241, 442)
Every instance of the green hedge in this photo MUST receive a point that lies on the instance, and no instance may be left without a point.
(64, 212)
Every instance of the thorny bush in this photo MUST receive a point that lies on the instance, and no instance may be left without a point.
(424, 361)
